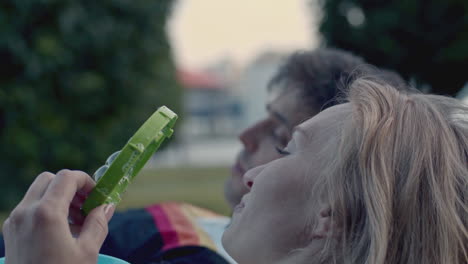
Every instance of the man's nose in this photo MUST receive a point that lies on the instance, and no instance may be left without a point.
(249, 139)
(251, 136)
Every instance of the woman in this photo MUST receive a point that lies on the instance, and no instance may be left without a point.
(382, 179)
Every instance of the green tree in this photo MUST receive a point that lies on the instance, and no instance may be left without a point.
(77, 78)
(424, 40)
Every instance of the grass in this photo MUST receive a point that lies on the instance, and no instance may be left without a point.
(199, 186)
(3, 216)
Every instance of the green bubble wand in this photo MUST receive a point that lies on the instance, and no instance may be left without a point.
(122, 166)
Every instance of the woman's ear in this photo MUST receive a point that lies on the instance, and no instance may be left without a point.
(318, 246)
(325, 227)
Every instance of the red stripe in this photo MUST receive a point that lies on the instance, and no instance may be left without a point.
(162, 222)
(174, 227)
(185, 230)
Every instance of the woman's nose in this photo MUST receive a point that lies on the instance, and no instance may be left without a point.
(250, 175)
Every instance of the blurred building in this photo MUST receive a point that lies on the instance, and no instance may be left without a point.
(219, 102)
(252, 86)
(210, 108)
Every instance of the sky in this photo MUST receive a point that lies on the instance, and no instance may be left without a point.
(203, 32)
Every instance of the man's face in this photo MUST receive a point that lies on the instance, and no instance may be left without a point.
(262, 140)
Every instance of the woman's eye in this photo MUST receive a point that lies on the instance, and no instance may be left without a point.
(282, 151)
(280, 139)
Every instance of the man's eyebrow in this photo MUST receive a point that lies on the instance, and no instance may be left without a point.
(280, 117)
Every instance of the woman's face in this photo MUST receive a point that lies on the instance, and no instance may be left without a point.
(282, 209)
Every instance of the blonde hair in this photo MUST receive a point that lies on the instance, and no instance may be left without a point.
(400, 190)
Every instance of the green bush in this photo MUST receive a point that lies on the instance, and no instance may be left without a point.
(77, 78)
(424, 40)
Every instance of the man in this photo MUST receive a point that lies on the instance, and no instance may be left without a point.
(305, 84)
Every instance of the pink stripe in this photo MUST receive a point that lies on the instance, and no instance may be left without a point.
(166, 230)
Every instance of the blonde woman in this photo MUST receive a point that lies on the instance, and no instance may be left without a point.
(382, 179)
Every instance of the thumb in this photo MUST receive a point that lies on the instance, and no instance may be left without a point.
(95, 229)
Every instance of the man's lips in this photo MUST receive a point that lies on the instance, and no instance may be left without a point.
(238, 169)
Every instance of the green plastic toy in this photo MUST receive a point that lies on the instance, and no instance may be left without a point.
(122, 166)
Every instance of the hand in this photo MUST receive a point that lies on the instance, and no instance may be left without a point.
(39, 230)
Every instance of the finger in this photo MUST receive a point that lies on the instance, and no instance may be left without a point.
(95, 229)
(38, 187)
(65, 185)
(6, 235)
(6, 228)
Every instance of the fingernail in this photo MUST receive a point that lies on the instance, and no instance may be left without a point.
(109, 211)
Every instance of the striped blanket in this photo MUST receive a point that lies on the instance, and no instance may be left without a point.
(167, 233)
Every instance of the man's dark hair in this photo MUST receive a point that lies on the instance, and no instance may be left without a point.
(322, 73)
